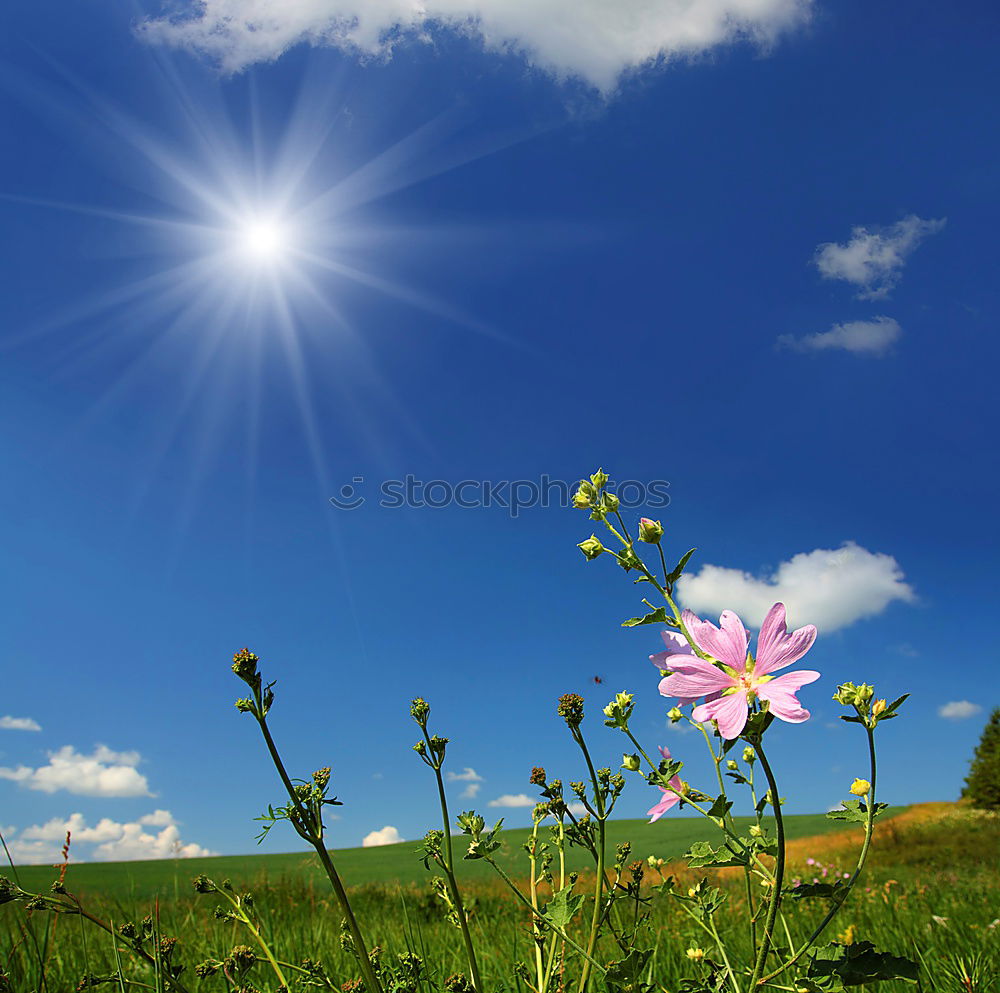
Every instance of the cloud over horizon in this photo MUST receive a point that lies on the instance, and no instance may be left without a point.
(591, 40)
(831, 588)
(384, 836)
(102, 773)
(472, 779)
(114, 841)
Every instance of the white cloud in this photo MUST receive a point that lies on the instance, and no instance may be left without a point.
(113, 841)
(874, 337)
(577, 809)
(469, 776)
(386, 836)
(595, 40)
(103, 773)
(513, 800)
(874, 257)
(19, 724)
(830, 588)
(959, 710)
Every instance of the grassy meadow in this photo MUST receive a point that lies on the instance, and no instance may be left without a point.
(932, 893)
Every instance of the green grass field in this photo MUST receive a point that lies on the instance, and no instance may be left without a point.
(667, 839)
(931, 893)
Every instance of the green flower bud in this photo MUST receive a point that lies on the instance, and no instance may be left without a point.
(599, 479)
(245, 666)
(591, 548)
(321, 777)
(631, 762)
(749, 755)
(585, 497)
(732, 764)
(420, 710)
(650, 531)
(675, 714)
(570, 709)
(610, 503)
(755, 831)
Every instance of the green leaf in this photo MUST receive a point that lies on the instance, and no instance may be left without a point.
(806, 891)
(720, 806)
(657, 616)
(623, 975)
(738, 777)
(562, 908)
(701, 853)
(854, 810)
(859, 964)
(679, 568)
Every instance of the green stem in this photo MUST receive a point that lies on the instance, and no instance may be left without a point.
(779, 872)
(535, 929)
(862, 858)
(456, 896)
(244, 917)
(315, 838)
(562, 934)
(601, 817)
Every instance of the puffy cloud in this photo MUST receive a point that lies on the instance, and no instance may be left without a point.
(959, 710)
(593, 40)
(873, 338)
(828, 587)
(386, 836)
(471, 778)
(513, 800)
(873, 259)
(113, 841)
(19, 724)
(103, 773)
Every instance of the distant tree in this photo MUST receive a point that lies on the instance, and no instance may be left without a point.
(982, 786)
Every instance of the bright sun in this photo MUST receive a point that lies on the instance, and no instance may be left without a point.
(263, 241)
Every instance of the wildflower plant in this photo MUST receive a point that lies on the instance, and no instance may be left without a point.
(589, 930)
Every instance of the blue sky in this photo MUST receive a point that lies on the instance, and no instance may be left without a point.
(761, 269)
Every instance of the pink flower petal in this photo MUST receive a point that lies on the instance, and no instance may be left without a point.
(731, 712)
(669, 660)
(776, 648)
(780, 695)
(676, 642)
(728, 644)
(696, 680)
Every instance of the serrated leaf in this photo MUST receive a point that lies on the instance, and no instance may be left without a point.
(702, 854)
(657, 616)
(808, 891)
(562, 908)
(854, 810)
(859, 964)
(720, 806)
(624, 974)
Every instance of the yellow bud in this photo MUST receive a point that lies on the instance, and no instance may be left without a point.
(692, 891)
(877, 707)
(696, 954)
(861, 787)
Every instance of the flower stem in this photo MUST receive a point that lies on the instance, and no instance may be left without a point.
(456, 895)
(314, 835)
(862, 858)
(779, 870)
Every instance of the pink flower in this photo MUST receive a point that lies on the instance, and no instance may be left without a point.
(727, 691)
(677, 655)
(669, 799)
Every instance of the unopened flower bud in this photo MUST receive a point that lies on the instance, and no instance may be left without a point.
(321, 777)
(245, 665)
(749, 755)
(537, 777)
(695, 954)
(244, 706)
(878, 707)
(591, 548)
(420, 710)
(650, 531)
(755, 831)
(570, 709)
(599, 479)
(692, 891)
(585, 496)
(631, 762)
(732, 764)
(675, 714)
(861, 787)
(609, 503)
